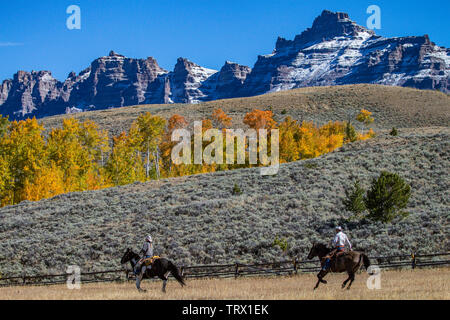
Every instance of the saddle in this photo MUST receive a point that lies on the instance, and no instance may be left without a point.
(337, 256)
(150, 261)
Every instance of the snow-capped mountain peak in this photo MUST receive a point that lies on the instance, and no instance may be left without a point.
(334, 51)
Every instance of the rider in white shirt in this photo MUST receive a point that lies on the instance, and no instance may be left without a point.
(339, 242)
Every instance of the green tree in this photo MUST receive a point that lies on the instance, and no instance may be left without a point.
(236, 190)
(350, 133)
(386, 198)
(354, 200)
(394, 132)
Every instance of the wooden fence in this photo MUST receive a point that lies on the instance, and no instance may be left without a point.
(236, 270)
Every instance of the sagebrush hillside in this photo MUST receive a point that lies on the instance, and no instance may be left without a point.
(197, 219)
(391, 106)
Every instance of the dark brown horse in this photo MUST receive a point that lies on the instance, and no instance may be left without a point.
(349, 262)
(161, 268)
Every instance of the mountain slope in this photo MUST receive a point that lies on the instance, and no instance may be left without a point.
(334, 51)
(391, 107)
(196, 219)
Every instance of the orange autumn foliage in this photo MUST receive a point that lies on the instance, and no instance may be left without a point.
(221, 119)
(258, 119)
(78, 156)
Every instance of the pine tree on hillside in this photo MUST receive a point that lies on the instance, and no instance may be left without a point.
(386, 198)
(350, 132)
(354, 200)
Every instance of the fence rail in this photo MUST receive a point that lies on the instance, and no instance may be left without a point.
(236, 270)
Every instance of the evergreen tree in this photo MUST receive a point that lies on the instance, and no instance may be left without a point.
(354, 200)
(350, 133)
(387, 196)
(394, 132)
(236, 190)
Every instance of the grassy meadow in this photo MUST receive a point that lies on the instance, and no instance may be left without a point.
(426, 284)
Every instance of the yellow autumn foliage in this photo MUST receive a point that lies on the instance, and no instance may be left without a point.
(79, 156)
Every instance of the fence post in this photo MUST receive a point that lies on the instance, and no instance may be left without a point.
(295, 265)
(236, 271)
(413, 260)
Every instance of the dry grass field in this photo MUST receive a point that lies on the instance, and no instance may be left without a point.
(397, 285)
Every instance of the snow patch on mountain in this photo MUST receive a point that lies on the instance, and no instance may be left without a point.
(334, 51)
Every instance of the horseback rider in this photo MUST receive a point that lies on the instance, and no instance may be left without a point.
(145, 253)
(338, 244)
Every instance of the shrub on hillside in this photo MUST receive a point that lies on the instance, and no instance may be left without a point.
(310, 165)
(281, 243)
(394, 132)
(236, 190)
(387, 196)
(354, 200)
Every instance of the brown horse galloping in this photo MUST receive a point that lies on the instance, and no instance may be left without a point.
(349, 262)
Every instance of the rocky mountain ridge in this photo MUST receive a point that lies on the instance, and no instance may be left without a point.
(334, 51)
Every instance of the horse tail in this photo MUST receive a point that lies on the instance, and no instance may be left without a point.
(366, 261)
(176, 273)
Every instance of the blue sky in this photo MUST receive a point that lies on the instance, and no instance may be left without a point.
(33, 34)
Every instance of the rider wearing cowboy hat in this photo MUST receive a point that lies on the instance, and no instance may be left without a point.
(339, 242)
(145, 253)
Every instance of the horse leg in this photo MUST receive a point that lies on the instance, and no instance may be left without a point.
(138, 283)
(351, 281)
(320, 276)
(164, 286)
(351, 273)
(139, 279)
(317, 284)
(345, 282)
(164, 279)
